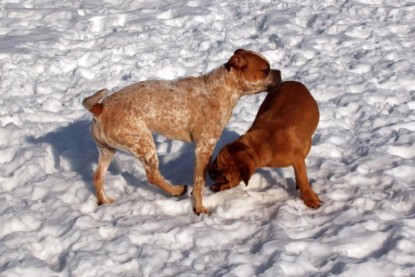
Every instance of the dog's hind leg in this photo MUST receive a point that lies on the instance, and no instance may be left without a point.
(310, 198)
(105, 156)
(142, 146)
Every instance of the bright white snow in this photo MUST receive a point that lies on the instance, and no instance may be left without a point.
(357, 57)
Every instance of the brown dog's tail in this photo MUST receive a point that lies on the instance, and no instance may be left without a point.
(92, 104)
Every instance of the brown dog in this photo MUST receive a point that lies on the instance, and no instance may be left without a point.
(190, 109)
(279, 137)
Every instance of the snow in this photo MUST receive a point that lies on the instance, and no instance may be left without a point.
(356, 57)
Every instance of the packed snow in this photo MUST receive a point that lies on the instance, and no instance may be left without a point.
(357, 58)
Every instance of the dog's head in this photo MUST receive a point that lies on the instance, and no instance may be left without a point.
(231, 166)
(253, 71)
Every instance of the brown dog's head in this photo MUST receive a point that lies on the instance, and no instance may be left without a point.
(230, 167)
(253, 72)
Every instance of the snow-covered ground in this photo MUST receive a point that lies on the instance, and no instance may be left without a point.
(357, 57)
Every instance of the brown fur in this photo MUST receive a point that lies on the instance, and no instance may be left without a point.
(190, 109)
(280, 136)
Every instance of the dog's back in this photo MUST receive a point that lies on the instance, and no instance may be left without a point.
(291, 105)
(279, 137)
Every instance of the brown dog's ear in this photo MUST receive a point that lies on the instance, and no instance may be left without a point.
(237, 61)
(245, 174)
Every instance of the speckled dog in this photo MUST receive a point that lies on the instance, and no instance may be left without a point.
(189, 109)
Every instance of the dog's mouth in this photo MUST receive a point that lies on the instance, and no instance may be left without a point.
(218, 186)
(273, 87)
(217, 177)
(221, 182)
(276, 81)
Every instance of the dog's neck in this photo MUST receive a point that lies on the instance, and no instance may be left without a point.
(254, 153)
(220, 79)
(224, 91)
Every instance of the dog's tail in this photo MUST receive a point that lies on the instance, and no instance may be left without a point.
(92, 104)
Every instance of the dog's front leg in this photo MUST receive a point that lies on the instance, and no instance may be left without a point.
(203, 153)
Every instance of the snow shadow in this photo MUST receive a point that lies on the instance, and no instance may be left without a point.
(74, 150)
(179, 168)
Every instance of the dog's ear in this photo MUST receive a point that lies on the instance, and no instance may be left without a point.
(245, 174)
(237, 61)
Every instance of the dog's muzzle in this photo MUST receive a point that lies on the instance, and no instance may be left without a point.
(214, 174)
(276, 80)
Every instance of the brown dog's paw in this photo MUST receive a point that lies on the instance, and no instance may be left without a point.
(311, 200)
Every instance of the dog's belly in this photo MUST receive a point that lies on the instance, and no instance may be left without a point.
(182, 135)
(169, 122)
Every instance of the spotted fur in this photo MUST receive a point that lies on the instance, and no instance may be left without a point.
(189, 109)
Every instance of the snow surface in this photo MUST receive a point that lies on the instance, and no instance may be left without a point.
(357, 57)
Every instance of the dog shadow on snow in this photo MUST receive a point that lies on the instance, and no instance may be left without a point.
(74, 150)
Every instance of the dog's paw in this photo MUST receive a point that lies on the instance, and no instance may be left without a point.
(200, 210)
(179, 191)
(105, 200)
(311, 200)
